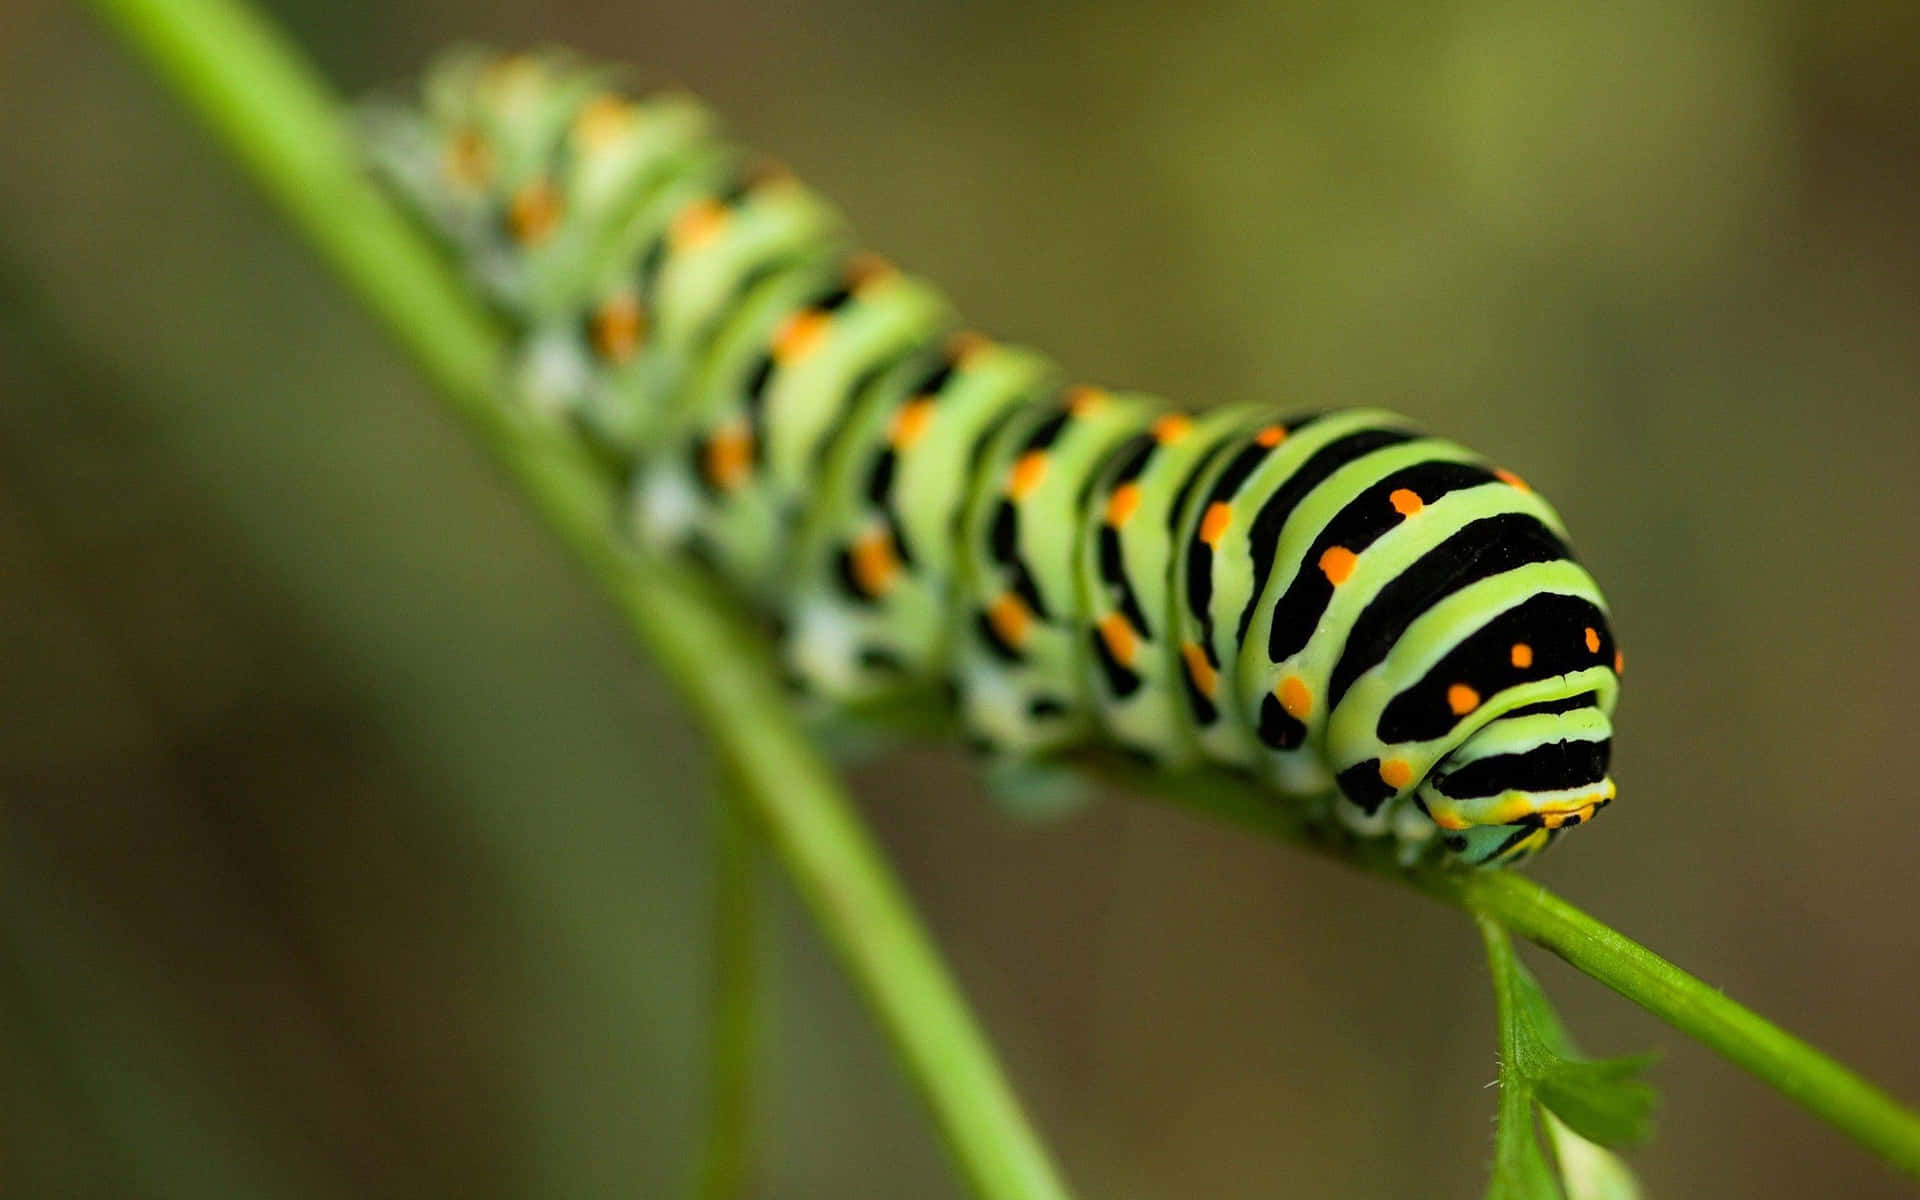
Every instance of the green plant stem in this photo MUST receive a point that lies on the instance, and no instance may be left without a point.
(726, 1162)
(278, 119)
(1809, 1078)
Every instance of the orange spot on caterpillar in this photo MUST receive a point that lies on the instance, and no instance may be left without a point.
(1294, 697)
(1593, 640)
(1448, 819)
(1028, 470)
(799, 335)
(617, 328)
(1271, 436)
(602, 121)
(1511, 480)
(866, 270)
(875, 564)
(1337, 564)
(534, 212)
(1011, 619)
(1619, 662)
(1406, 501)
(1213, 526)
(1171, 428)
(728, 458)
(1121, 639)
(1122, 504)
(697, 224)
(1205, 679)
(965, 345)
(910, 423)
(469, 159)
(1084, 400)
(1521, 655)
(1462, 699)
(1396, 773)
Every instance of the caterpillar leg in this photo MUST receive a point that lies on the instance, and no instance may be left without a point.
(1033, 790)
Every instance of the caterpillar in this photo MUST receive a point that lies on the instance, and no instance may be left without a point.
(1375, 622)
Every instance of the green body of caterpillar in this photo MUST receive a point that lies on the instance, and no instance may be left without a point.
(1334, 602)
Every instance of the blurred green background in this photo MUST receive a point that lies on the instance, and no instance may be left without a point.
(349, 849)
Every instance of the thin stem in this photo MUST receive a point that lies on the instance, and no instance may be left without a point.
(726, 1162)
(278, 119)
(1809, 1078)
(1697, 1009)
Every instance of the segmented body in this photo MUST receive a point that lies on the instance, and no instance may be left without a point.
(1335, 602)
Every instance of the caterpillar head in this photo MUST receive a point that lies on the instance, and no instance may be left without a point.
(1520, 780)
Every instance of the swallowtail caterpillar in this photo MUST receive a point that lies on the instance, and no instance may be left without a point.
(1368, 618)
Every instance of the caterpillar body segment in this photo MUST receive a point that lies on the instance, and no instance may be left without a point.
(1018, 659)
(1131, 530)
(794, 369)
(878, 578)
(1336, 603)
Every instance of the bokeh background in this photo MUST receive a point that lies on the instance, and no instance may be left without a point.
(350, 850)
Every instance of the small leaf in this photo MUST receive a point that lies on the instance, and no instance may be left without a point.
(1604, 1100)
(1589, 1172)
(1585, 1101)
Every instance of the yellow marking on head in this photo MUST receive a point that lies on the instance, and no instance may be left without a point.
(1447, 819)
(1593, 640)
(1271, 436)
(1122, 504)
(1406, 501)
(728, 458)
(617, 328)
(1396, 773)
(1521, 656)
(1213, 525)
(534, 212)
(694, 226)
(1010, 618)
(1462, 699)
(1204, 677)
(867, 270)
(910, 422)
(1511, 480)
(1619, 662)
(1337, 564)
(1583, 809)
(1171, 427)
(800, 335)
(469, 159)
(1508, 811)
(1579, 816)
(962, 347)
(1294, 697)
(1123, 641)
(602, 121)
(1027, 473)
(876, 566)
(1084, 400)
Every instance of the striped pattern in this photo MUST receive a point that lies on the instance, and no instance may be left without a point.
(1337, 603)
